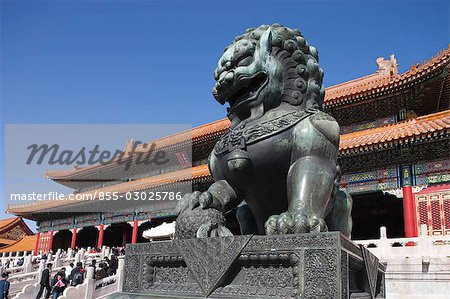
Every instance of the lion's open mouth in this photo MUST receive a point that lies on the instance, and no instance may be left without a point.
(247, 89)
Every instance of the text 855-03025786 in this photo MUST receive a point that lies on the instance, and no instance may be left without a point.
(153, 195)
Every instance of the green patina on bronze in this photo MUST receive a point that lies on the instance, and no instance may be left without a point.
(280, 153)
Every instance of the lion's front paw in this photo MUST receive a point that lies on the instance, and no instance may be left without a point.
(200, 215)
(294, 223)
(190, 201)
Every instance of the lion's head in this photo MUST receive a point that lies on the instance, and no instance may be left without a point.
(265, 67)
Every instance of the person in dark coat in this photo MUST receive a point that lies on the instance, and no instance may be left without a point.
(75, 270)
(100, 273)
(45, 282)
(75, 277)
(113, 265)
(106, 262)
(4, 286)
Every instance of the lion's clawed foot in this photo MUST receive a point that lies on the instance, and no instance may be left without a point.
(294, 223)
(203, 199)
(199, 217)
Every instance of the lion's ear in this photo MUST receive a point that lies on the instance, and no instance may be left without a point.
(265, 43)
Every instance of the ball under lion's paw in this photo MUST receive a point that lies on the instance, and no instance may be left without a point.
(189, 221)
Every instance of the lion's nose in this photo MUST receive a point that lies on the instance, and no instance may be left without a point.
(229, 77)
(225, 79)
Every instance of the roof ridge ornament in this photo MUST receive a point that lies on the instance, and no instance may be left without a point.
(387, 67)
(129, 146)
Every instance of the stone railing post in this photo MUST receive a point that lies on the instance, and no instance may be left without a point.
(27, 264)
(426, 244)
(57, 258)
(90, 281)
(102, 255)
(69, 252)
(107, 251)
(41, 268)
(383, 245)
(120, 273)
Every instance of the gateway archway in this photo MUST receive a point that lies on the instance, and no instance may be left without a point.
(117, 234)
(87, 237)
(61, 239)
(373, 210)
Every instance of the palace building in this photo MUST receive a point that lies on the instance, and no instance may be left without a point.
(394, 156)
(15, 235)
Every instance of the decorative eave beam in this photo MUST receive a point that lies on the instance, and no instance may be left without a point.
(379, 92)
(433, 136)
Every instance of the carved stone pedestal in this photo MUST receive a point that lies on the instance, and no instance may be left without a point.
(322, 265)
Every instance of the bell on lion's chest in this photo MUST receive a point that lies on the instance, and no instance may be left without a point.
(239, 161)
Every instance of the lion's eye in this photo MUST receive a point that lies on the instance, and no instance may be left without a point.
(246, 61)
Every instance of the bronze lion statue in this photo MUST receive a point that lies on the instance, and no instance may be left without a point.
(280, 153)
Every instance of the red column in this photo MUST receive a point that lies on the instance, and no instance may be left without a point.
(409, 212)
(135, 232)
(50, 241)
(36, 246)
(74, 238)
(100, 236)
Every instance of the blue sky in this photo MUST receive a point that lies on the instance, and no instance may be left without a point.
(141, 62)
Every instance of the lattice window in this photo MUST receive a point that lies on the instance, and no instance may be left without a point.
(436, 220)
(446, 207)
(423, 212)
(44, 241)
(434, 210)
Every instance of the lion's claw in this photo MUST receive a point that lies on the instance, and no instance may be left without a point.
(297, 222)
(205, 200)
(192, 200)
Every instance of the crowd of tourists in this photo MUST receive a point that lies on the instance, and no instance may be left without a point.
(10, 263)
(73, 275)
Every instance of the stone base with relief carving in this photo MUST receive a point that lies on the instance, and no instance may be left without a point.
(316, 265)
